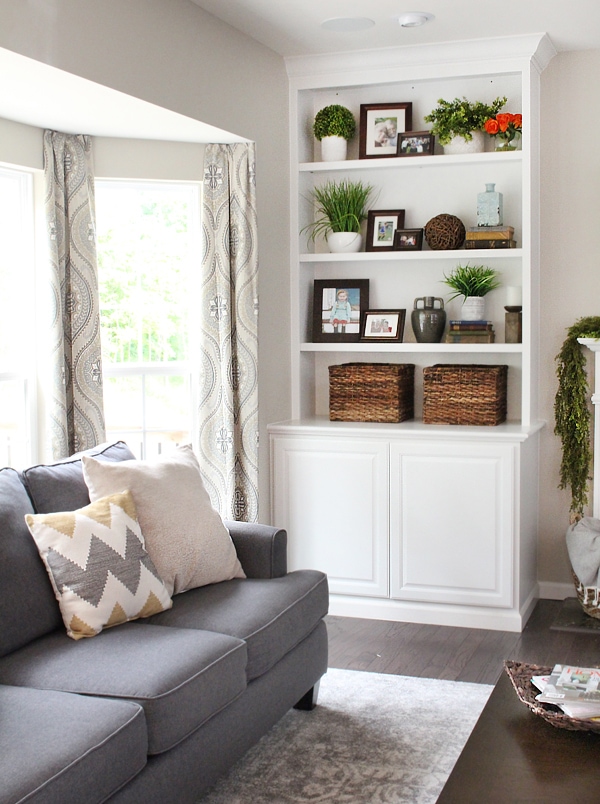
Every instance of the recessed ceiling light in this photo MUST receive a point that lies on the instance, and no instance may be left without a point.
(413, 19)
(344, 24)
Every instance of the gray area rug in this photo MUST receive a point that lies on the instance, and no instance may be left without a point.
(373, 739)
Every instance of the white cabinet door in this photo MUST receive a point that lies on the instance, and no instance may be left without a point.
(452, 522)
(331, 494)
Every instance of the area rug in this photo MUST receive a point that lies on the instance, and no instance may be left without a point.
(373, 739)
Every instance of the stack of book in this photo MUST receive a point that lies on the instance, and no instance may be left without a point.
(470, 332)
(575, 690)
(490, 237)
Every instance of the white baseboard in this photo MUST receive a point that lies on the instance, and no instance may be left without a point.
(548, 590)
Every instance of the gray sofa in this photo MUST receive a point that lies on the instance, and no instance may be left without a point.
(154, 710)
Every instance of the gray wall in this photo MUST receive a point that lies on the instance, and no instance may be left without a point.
(570, 255)
(173, 54)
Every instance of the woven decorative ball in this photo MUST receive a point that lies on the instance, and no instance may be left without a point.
(445, 232)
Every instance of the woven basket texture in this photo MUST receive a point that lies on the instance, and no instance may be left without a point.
(445, 232)
(520, 675)
(371, 392)
(464, 394)
(588, 596)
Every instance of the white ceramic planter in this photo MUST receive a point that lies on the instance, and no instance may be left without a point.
(334, 149)
(473, 309)
(344, 242)
(459, 145)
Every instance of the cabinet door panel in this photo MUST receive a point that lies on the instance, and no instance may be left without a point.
(452, 523)
(332, 497)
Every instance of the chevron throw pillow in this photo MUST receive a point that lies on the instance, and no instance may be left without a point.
(99, 568)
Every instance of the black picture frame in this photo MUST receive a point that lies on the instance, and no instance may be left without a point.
(416, 143)
(383, 325)
(382, 225)
(327, 302)
(408, 240)
(377, 137)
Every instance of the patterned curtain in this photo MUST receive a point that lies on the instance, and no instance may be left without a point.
(228, 406)
(76, 415)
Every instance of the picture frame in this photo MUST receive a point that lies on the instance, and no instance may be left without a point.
(382, 225)
(380, 125)
(408, 240)
(330, 309)
(383, 325)
(416, 143)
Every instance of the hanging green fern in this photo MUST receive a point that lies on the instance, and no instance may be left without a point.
(572, 413)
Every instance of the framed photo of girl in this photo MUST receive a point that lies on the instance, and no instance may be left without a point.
(338, 307)
(382, 225)
(380, 125)
(383, 325)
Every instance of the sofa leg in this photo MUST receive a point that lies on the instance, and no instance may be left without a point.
(309, 699)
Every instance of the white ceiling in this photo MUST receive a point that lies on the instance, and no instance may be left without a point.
(293, 27)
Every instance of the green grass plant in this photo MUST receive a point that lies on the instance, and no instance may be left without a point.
(341, 207)
(471, 280)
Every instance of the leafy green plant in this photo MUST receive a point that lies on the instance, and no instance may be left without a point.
(572, 414)
(458, 118)
(334, 121)
(341, 207)
(471, 280)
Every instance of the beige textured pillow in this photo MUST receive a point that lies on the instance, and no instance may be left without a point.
(95, 557)
(185, 537)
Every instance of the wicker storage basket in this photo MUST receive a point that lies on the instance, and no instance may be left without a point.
(471, 394)
(371, 392)
(520, 675)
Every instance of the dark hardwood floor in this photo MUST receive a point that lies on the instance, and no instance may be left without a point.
(458, 654)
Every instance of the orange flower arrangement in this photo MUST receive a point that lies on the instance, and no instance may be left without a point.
(506, 126)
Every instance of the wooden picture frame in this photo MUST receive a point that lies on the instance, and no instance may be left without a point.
(416, 143)
(382, 225)
(408, 240)
(383, 325)
(380, 125)
(338, 308)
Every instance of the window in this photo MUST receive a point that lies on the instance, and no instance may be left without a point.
(17, 318)
(149, 267)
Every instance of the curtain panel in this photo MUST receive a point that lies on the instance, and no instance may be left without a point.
(228, 403)
(75, 408)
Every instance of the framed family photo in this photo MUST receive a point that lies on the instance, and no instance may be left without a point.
(382, 225)
(408, 240)
(380, 126)
(338, 307)
(416, 143)
(383, 325)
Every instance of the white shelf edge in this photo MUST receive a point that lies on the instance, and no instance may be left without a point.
(427, 348)
(410, 161)
(454, 254)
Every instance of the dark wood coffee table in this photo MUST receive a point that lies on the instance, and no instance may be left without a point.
(513, 755)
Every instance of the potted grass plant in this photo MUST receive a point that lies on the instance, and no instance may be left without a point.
(458, 124)
(473, 283)
(333, 126)
(341, 208)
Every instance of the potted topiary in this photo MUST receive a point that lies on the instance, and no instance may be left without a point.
(333, 126)
(472, 282)
(458, 124)
(341, 209)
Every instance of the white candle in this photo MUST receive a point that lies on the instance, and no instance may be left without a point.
(514, 296)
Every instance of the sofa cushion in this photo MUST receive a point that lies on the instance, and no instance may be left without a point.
(95, 557)
(271, 615)
(28, 608)
(57, 747)
(60, 486)
(185, 537)
(180, 677)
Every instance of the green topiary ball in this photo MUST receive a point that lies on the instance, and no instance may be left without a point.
(334, 121)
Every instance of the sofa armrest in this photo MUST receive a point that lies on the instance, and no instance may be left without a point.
(261, 549)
